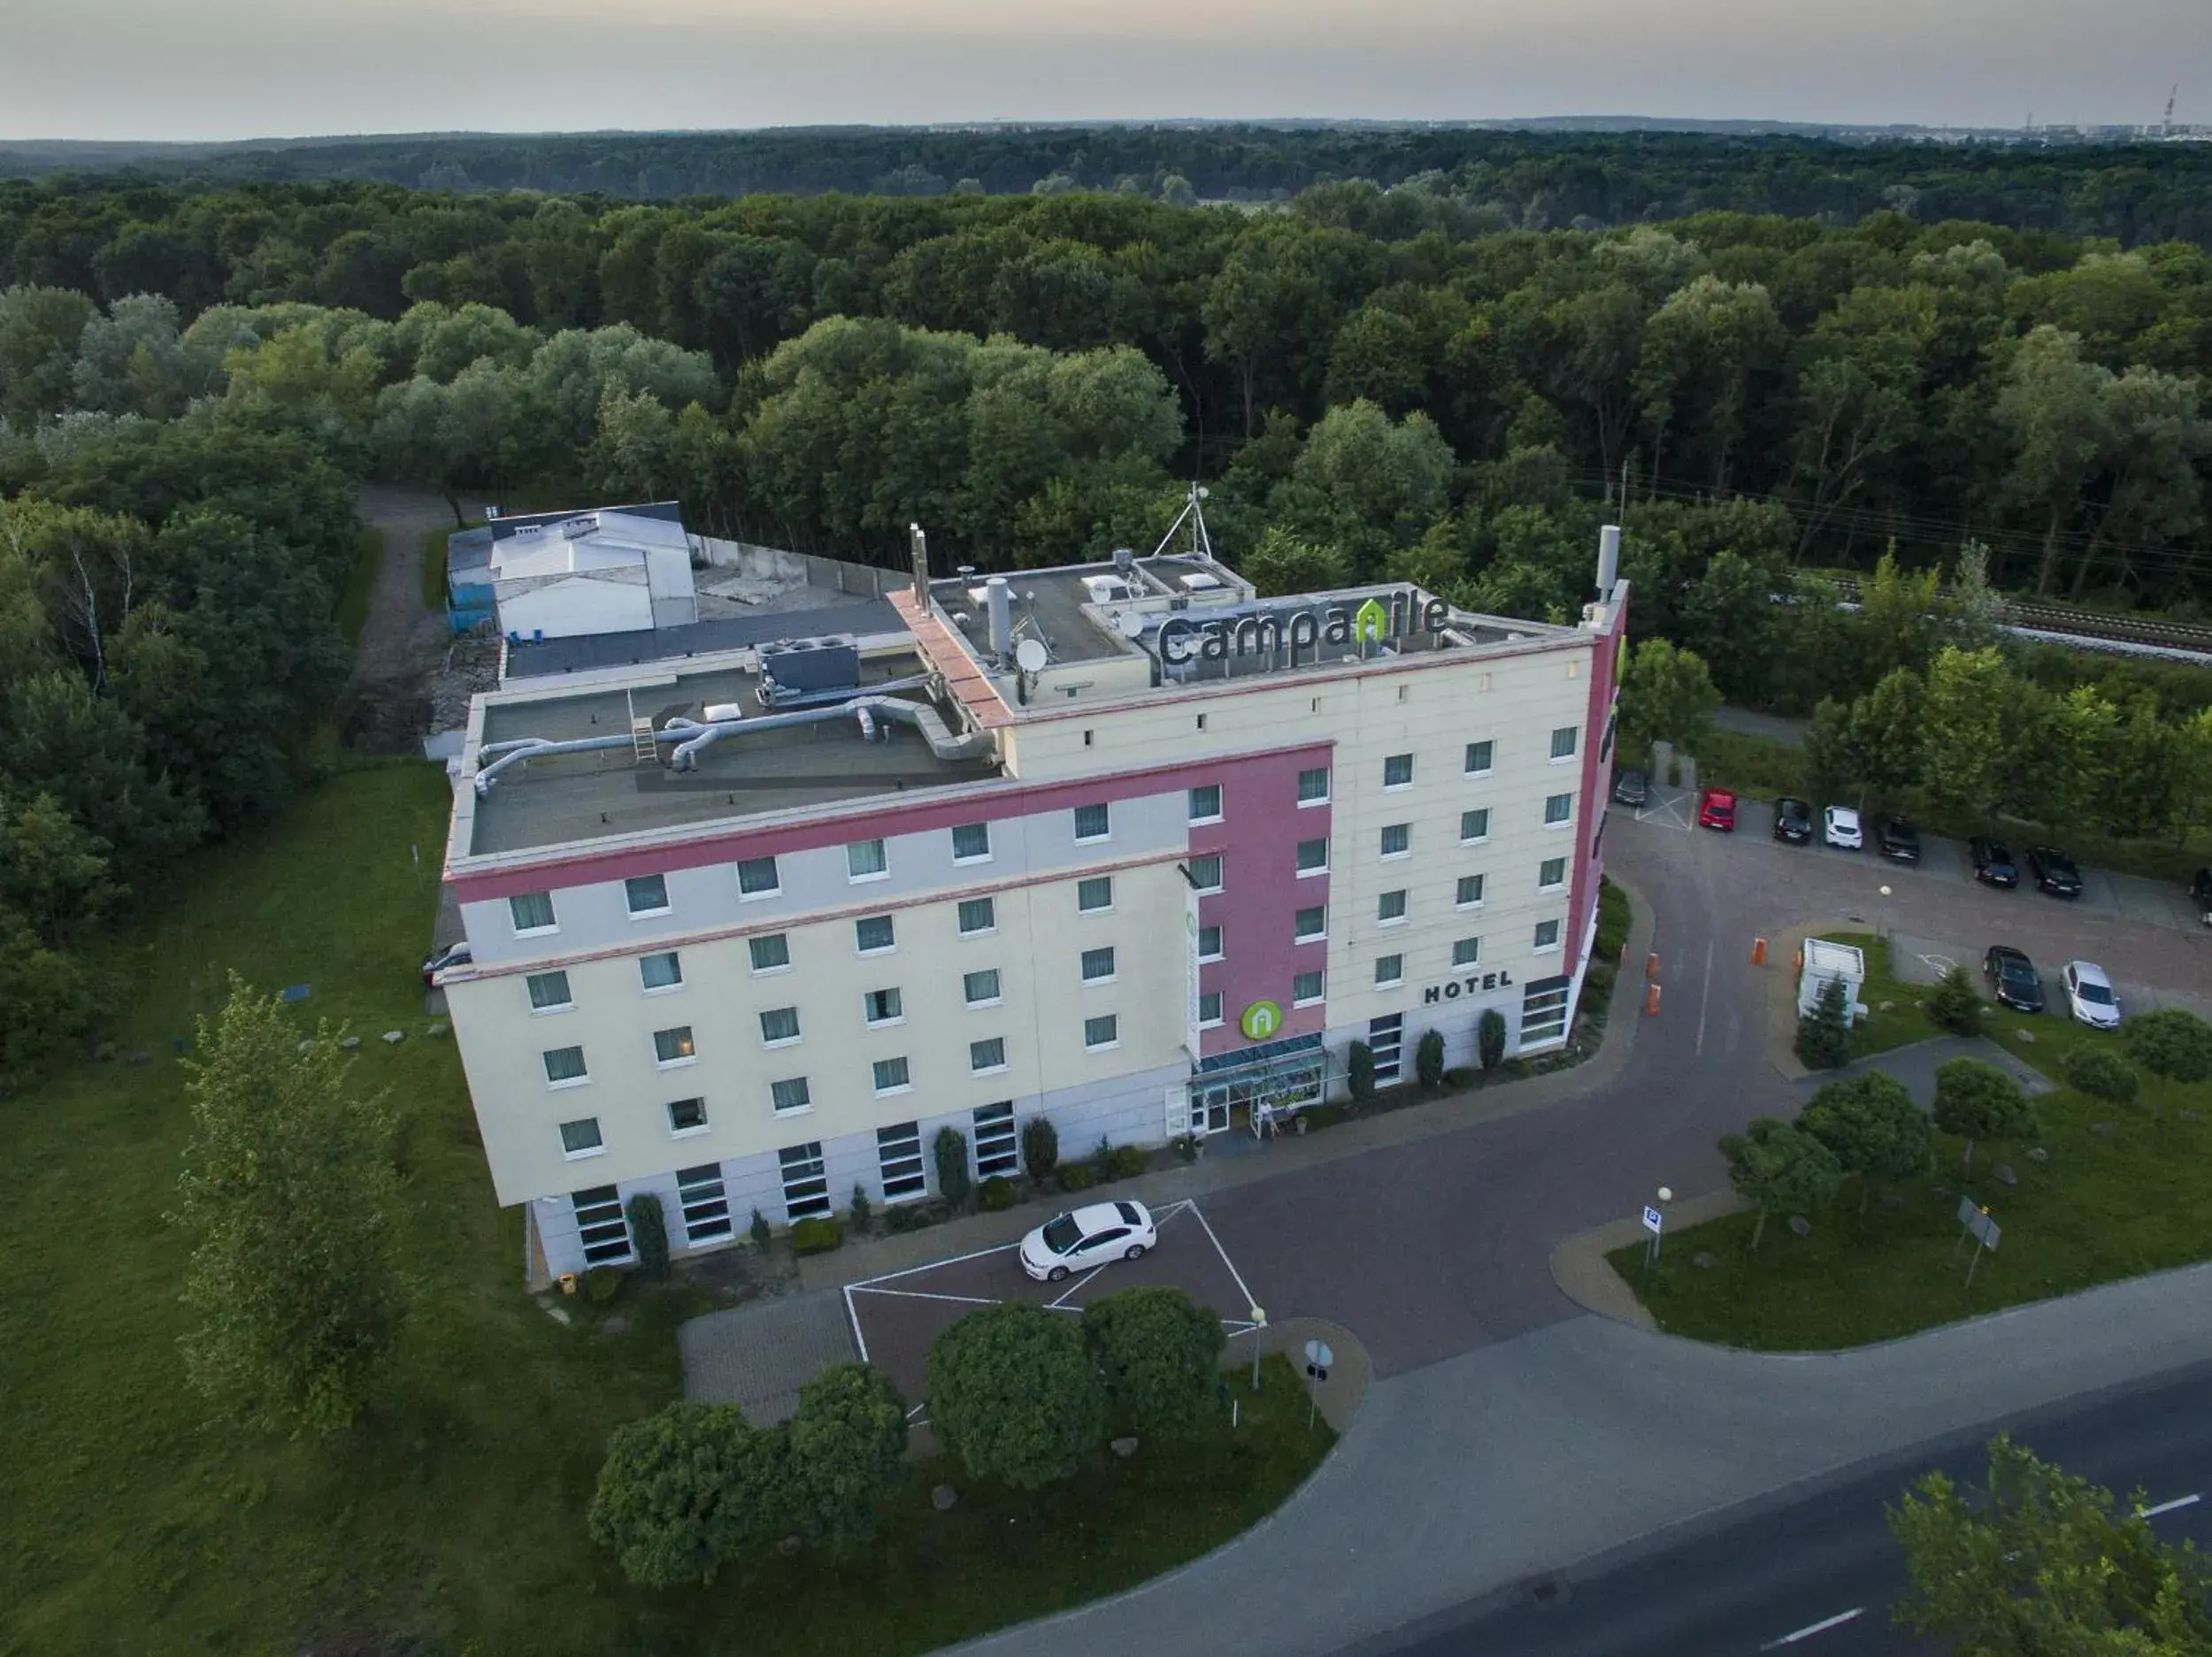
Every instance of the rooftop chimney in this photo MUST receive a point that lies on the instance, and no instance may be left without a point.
(920, 544)
(996, 597)
(1608, 561)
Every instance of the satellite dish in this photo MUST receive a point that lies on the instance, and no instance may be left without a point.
(1031, 655)
(1130, 623)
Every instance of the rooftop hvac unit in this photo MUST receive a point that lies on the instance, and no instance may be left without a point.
(576, 528)
(810, 665)
(1200, 583)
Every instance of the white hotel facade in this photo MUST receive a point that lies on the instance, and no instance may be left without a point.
(1120, 845)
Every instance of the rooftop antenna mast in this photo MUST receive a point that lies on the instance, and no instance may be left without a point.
(1200, 544)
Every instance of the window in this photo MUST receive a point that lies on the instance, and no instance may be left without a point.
(1397, 839)
(662, 971)
(1313, 787)
(978, 916)
(883, 1006)
(757, 877)
(1098, 965)
(1305, 989)
(1102, 1033)
(1386, 1040)
(1478, 758)
(1398, 770)
(1546, 935)
(1389, 970)
(971, 843)
(674, 1046)
(1205, 803)
(599, 1225)
(580, 1137)
(771, 952)
(1474, 826)
(865, 860)
(980, 989)
(647, 894)
(1466, 952)
(1544, 1011)
(778, 1026)
(1311, 924)
(1095, 895)
(706, 1205)
(988, 1055)
(686, 1115)
(1313, 857)
(564, 1067)
(1210, 943)
(805, 1186)
(1564, 740)
(789, 1096)
(1390, 908)
(1209, 1010)
(1551, 874)
(548, 993)
(1092, 823)
(1468, 894)
(1205, 873)
(892, 1076)
(1558, 809)
(899, 1160)
(872, 934)
(532, 912)
(997, 1150)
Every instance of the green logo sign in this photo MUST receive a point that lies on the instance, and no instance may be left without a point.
(1259, 1020)
(1370, 621)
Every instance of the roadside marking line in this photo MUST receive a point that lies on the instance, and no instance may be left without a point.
(978, 1255)
(2168, 1507)
(852, 1313)
(917, 1410)
(1822, 1627)
(1058, 1302)
(1242, 1288)
(1705, 997)
(922, 1294)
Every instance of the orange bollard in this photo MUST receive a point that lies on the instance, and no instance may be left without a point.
(1758, 952)
(1651, 1000)
(1651, 964)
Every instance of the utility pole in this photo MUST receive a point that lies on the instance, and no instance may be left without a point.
(2167, 131)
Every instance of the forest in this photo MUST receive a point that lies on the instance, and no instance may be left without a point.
(1370, 380)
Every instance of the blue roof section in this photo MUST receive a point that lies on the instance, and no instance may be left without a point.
(545, 658)
(467, 550)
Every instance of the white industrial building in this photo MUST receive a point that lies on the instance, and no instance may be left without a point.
(560, 575)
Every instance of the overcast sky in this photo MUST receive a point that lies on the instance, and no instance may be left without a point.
(253, 68)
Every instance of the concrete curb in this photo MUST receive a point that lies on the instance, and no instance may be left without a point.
(1584, 1276)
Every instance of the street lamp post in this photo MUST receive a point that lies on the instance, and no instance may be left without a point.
(1259, 1334)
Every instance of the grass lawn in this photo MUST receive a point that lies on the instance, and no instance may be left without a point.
(451, 1521)
(1749, 765)
(1891, 1019)
(432, 570)
(2100, 1209)
(353, 603)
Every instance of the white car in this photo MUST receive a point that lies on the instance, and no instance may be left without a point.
(2089, 996)
(1087, 1238)
(1839, 827)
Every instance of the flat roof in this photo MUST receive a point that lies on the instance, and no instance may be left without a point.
(539, 658)
(568, 798)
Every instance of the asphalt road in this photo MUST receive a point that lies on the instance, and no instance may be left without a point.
(1818, 1577)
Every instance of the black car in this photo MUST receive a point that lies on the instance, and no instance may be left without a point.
(1793, 822)
(2012, 978)
(1631, 787)
(2201, 889)
(1992, 862)
(1900, 842)
(2054, 872)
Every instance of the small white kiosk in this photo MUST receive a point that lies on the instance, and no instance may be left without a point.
(1823, 961)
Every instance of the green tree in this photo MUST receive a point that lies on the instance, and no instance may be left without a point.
(1704, 352)
(1490, 1039)
(684, 1490)
(1282, 564)
(2101, 1074)
(2053, 410)
(52, 873)
(1359, 1072)
(1962, 718)
(290, 1196)
(1159, 1355)
(2172, 1042)
(1779, 1168)
(949, 1150)
(1974, 1100)
(648, 1231)
(847, 1450)
(1824, 1034)
(1955, 1004)
(1874, 1129)
(1889, 735)
(1368, 482)
(1013, 1393)
(1667, 696)
(2039, 1561)
(39, 328)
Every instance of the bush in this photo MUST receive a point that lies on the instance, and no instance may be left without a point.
(1975, 1100)
(848, 1452)
(860, 1211)
(1614, 919)
(601, 1283)
(995, 1194)
(1128, 1161)
(950, 1149)
(2101, 1073)
(1490, 1039)
(1159, 1355)
(1075, 1177)
(761, 1234)
(681, 1490)
(1824, 1035)
(900, 1218)
(1359, 1072)
(2172, 1042)
(1459, 1076)
(817, 1236)
(1013, 1393)
(1041, 1147)
(1428, 1057)
(1955, 1004)
(649, 1235)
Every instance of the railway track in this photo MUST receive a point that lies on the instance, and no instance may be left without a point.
(2158, 632)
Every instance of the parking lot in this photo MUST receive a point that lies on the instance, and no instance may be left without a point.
(895, 1318)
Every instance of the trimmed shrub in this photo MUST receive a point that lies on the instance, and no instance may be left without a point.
(1979, 1101)
(1014, 1393)
(1490, 1039)
(861, 1211)
(1041, 1147)
(995, 1194)
(1955, 1005)
(1459, 1076)
(2101, 1073)
(848, 1452)
(1428, 1058)
(1614, 918)
(683, 1490)
(759, 1230)
(601, 1283)
(2171, 1042)
(1129, 1161)
(1158, 1353)
(950, 1149)
(649, 1235)
(1359, 1072)
(1076, 1177)
(817, 1236)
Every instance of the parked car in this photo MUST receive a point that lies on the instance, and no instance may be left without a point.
(1718, 810)
(1839, 827)
(1631, 787)
(2089, 996)
(1087, 1238)
(1793, 822)
(452, 955)
(1900, 842)
(2201, 889)
(2054, 872)
(2013, 978)
(1992, 862)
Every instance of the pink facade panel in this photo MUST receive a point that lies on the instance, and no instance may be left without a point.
(1597, 775)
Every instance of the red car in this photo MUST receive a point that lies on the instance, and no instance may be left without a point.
(1716, 809)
